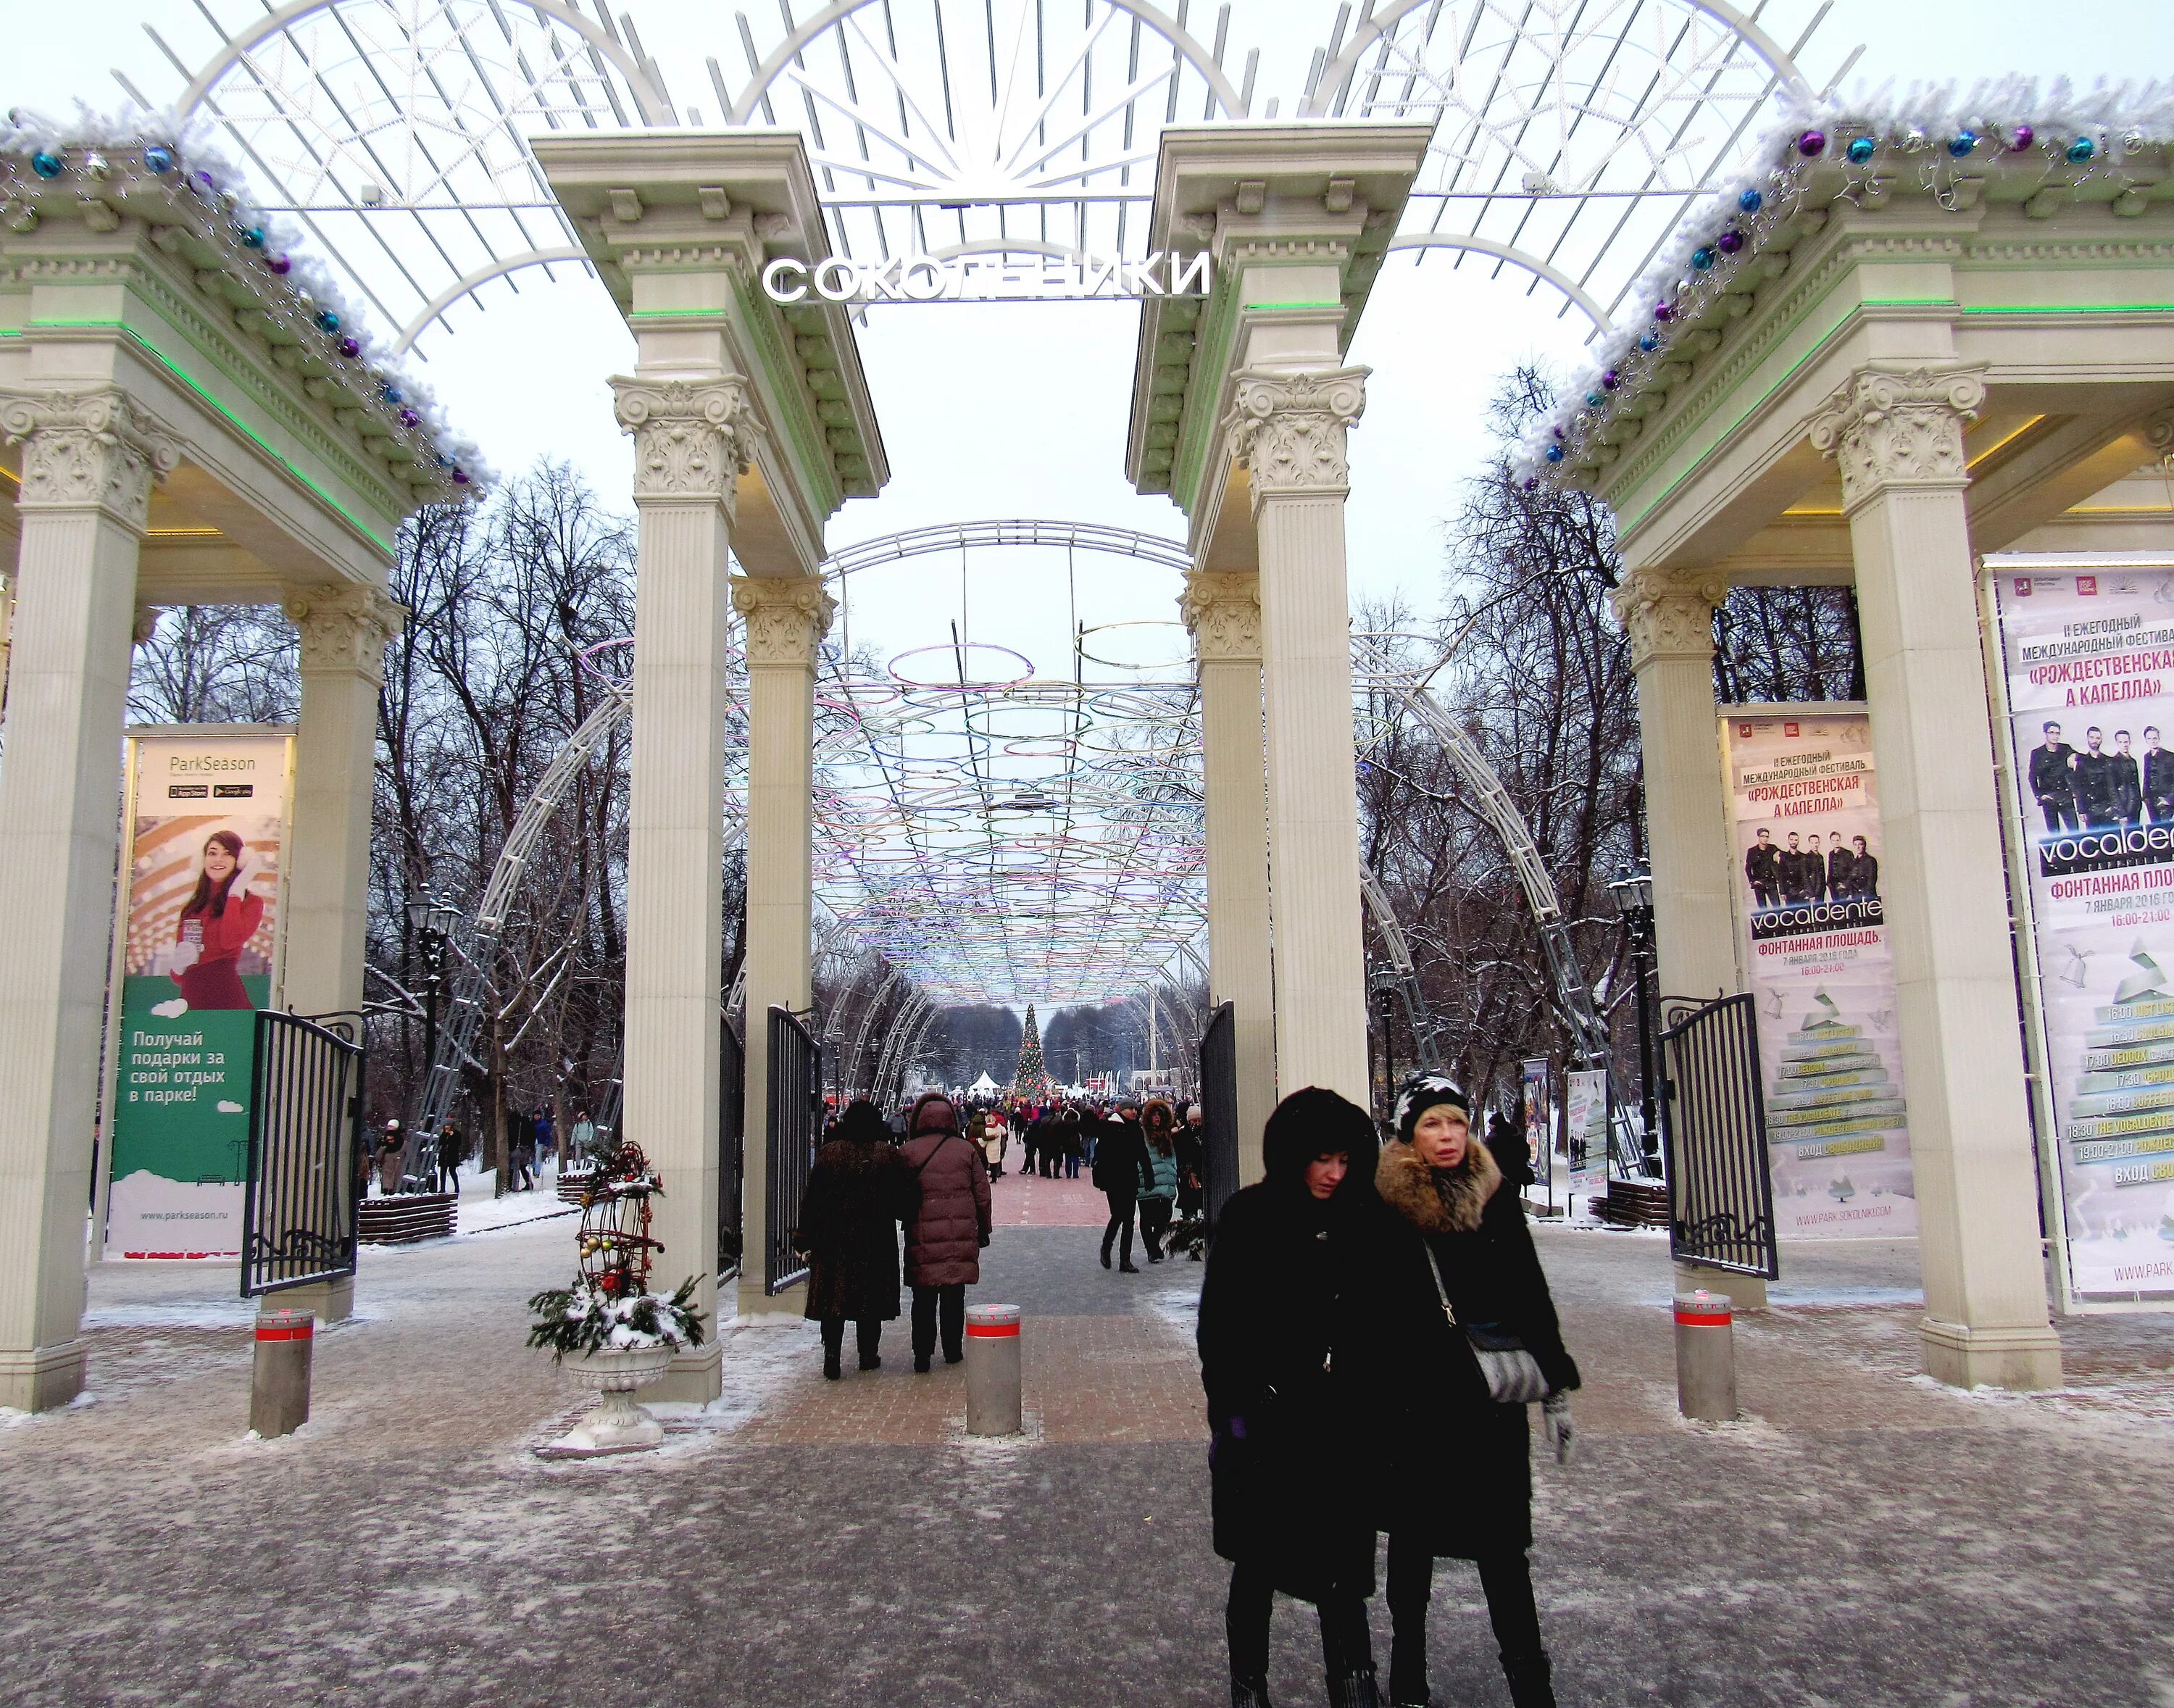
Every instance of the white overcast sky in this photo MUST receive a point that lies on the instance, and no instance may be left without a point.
(1020, 410)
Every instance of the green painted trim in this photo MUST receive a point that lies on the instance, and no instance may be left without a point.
(1795, 368)
(1907, 302)
(1217, 331)
(232, 420)
(806, 439)
(2071, 308)
(1251, 306)
(655, 314)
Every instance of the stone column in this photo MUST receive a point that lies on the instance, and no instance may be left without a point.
(1670, 622)
(787, 616)
(1898, 436)
(344, 630)
(691, 438)
(1290, 429)
(90, 459)
(1223, 610)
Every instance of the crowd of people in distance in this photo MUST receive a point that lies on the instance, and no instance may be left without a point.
(1374, 1324)
(533, 1140)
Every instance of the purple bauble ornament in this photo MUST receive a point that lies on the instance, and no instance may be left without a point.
(350, 348)
(1729, 242)
(280, 264)
(1665, 311)
(460, 475)
(1610, 380)
(1812, 143)
(408, 418)
(1532, 481)
(2021, 138)
(207, 180)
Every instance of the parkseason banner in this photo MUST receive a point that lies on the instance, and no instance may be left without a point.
(1585, 1134)
(2089, 662)
(1813, 931)
(200, 923)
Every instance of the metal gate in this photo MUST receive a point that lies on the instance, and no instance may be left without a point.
(1219, 1108)
(732, 1146)
(1713, 1122)
(305, 1152)
(795, 1124)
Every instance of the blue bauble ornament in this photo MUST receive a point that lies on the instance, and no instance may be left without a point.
(1962, 142)
(328, 321)
(158, 159)
(253, 238)
(1555, 453)
(392, 394)
(1595, 399)
(1862, 149)
(2082, 149)
(46, 165)
(1702, 259)
(1751, 201)
(1648, 342)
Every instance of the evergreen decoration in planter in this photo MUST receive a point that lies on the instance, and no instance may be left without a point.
(592, 1316)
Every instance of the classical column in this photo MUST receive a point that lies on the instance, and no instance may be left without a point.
(1223, 610)
(1290, 429)
(1898, 436)
(787, 616)
(691, 438)
(90, 459)
(1670, 622)
(344, 630)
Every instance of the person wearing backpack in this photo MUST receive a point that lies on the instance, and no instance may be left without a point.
(947, 1222)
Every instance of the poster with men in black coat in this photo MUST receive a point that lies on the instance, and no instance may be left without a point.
(1813, 934)
(2089, 677)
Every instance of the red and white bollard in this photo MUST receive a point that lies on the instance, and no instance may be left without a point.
(1705, 1357)
(279, 1382)
(992, 1370)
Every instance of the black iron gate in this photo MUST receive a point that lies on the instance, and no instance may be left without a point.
(795, 1124)
(1219, 1108)
(1713, 1121)
(305, 1152)
(731, 1145)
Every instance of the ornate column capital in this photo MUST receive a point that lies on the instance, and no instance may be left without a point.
(1668, 618)
(1290, 430)
(345, 628)
(691, 437)
(1899, 428)
(787, 616)
(1222, 610)
(88, 449)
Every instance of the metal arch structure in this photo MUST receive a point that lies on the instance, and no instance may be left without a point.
(1584, 298)
(470, 282)
(946, 538)
(1403, 974)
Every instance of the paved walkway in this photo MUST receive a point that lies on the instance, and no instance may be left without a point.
(1865, 1538)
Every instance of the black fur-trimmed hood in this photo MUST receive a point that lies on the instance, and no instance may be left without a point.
(1449, 1202)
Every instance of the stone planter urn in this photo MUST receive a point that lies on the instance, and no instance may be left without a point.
(618, 1425)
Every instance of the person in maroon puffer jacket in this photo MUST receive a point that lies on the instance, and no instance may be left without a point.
(946, 1227)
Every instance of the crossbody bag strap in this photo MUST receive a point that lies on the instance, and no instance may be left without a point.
(1440, 1291)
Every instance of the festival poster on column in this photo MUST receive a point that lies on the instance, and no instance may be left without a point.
(1539, 1122)
(201, 918)
(1805, 814)
(2090, 666)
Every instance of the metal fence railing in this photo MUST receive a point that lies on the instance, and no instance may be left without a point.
(304, 1174)
(794, 1125)
(1218, 1110)
(1713, 1124)
(732, 1146)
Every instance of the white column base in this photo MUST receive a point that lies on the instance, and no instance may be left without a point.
(2025, 1358)
(696, 1376)
(328, 1301)
(762, 1309)
(1745, 1291)
(42, 1378)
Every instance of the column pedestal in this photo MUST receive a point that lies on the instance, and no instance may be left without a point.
(1898, 437)
(90, 459)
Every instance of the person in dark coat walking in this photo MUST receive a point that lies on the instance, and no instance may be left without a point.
(1287, 1437)
(1120, 1162)
(1506, 1140)
(849, 1217)
(1449, 1251)
(947, 1223)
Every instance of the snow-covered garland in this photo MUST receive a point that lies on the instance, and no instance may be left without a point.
(173, 177)
(585, 1318)
(1929, 133)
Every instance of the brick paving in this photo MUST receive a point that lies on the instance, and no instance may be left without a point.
(1863, 1538)
(1028, 1201)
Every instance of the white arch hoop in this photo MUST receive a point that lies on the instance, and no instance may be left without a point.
(466, 286)
(1585, 300)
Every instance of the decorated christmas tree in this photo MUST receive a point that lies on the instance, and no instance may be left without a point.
(1031, 1077)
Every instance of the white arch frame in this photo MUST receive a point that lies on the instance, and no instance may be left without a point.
(434, 310)
(649, 98)
(1415, 242)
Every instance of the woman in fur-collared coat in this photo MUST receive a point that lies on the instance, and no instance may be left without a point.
(1458, 1482)
(1288, 1433)
(849, 1217)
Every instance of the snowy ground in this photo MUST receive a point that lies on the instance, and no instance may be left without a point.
(1862, 1537)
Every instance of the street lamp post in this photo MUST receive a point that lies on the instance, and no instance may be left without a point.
(1633, 895)
(434, 921)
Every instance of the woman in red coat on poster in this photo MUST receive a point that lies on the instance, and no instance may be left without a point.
(220, 917)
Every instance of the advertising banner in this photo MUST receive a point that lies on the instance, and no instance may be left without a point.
(1585, 1132)
(2088, 666)
(199, 926)
(1539, 1124)
(1805, 814)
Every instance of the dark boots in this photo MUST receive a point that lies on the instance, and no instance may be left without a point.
(1249, 1693)
(1531, 1681)
(1353, 1690)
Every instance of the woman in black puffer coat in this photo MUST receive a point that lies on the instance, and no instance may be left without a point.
(849, 1217)
(1455, 1476)
(1287, 1434)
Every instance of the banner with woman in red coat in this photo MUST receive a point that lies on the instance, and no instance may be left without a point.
(198, 955)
